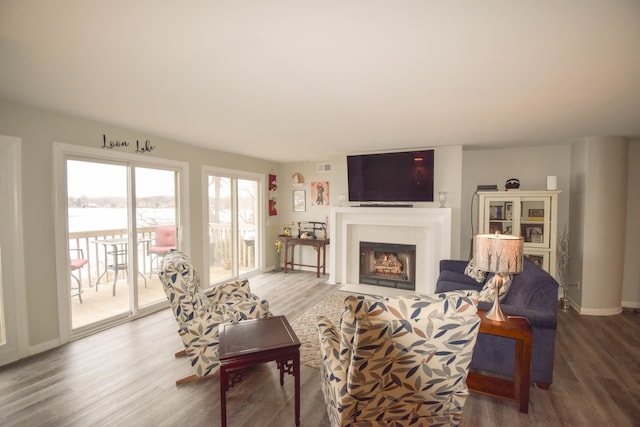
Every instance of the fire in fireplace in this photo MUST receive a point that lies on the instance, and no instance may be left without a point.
(388, 264)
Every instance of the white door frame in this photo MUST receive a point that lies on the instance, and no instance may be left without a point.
(260, 216)
(60, 153)
(12, 280)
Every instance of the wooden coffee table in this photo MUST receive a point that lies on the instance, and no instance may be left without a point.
(517, 389)
(251, 342)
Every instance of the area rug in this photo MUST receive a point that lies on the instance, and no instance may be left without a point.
(305, 326)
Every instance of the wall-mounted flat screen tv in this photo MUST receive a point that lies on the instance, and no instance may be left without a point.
(391, 177)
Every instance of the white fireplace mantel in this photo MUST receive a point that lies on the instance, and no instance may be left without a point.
(427, 228)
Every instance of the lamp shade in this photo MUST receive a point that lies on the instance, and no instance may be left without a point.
(498, 253)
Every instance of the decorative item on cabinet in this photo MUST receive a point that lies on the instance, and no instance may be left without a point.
(530, 214)
(442, 197)
(512, 184)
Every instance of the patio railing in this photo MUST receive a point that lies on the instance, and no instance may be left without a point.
(219, 240)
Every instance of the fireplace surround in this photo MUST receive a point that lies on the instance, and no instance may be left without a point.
(429, 229)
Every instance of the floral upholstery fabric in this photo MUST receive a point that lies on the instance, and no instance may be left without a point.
(199, 314)
(488, 291)
(399, 361)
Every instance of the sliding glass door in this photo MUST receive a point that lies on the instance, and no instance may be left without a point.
(233, 219)
(122, 218)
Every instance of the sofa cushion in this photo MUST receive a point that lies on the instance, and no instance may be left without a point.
(488, 292)
(476, 274)
(453, 281)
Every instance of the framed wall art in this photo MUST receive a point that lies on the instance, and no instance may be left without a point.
(320, 193)
(299, 201)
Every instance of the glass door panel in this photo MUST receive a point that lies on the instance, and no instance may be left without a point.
(232, 222)
(533, 225)
(220, 237)
(247, 232)
(156, 221)
(97, 215)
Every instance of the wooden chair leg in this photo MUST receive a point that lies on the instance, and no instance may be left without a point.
(192, 378)
(188, 379)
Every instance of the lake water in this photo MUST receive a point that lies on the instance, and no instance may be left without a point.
(88, 219)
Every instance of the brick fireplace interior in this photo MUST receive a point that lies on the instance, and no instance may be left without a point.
(388, 264)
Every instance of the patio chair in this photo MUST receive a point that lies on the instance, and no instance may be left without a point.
(76, 263)
(399, 361)
(199, 314)
(165, 240)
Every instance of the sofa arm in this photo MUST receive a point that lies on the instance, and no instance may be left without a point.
(341, 406)
(250, 308)
(238, 289)
(329, 339)
(454, 265)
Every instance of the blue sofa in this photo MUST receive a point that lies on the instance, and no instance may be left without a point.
(534, 295)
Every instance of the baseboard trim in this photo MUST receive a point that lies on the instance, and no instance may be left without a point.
(48, 345)
(631, 304)
(601, 311)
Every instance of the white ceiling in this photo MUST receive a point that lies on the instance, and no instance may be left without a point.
(295, 80)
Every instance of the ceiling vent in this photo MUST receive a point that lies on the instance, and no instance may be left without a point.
(323, 167)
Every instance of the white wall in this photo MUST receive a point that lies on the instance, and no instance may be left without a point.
(38, 129)
(605, 225)
(457, 171)
(531, 165)
(576, 226)
(448, 177)
(631, 280)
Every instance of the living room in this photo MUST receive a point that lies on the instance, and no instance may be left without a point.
(595, 169)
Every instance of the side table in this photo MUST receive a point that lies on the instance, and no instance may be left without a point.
(516, 390)
(318, 244)
(251, 342)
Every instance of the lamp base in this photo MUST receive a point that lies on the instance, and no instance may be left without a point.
(495, 313)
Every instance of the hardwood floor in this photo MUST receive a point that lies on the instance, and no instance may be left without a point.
(126, 377)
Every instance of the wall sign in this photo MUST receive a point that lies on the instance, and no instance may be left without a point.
(138, 147)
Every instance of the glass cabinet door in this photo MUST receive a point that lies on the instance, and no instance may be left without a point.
(529, 214)
(500, 217)
(534, 221)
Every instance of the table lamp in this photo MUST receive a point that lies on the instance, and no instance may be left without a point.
(499, 254)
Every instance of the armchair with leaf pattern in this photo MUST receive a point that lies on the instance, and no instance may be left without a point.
(199, 313)
(399, 361)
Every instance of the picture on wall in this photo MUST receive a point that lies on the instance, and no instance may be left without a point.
(320, 193)
(273, 186)
(299, 201)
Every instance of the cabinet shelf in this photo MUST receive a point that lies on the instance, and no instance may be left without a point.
(530, 214)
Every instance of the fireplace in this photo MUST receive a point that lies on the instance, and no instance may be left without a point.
(427, 228)
(388, 264)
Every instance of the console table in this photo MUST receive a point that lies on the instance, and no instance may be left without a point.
(250, 342)
(517, 389)
(318, 244)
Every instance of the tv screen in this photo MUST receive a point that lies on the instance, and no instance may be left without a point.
(391, 177)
